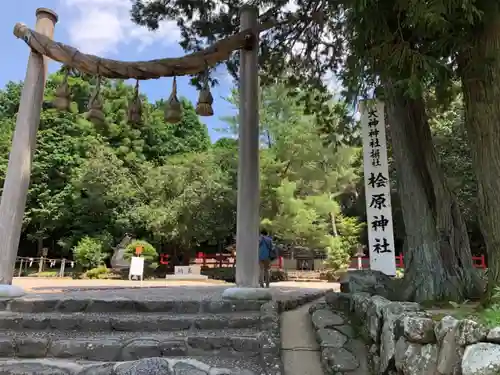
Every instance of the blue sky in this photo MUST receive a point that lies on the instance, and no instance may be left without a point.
(100, 27)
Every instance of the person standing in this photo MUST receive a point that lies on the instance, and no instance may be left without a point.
(267, 254)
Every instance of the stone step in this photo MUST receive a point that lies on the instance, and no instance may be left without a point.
(128, 322)
(128, 346)
(206, 365)
(53, 303)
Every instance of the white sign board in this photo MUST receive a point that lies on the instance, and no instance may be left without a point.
(136, 267)
(377, 188)
(187, 270)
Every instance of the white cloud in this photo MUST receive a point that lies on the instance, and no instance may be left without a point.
(100, 26)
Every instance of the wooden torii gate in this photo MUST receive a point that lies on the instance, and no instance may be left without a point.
(42, 46)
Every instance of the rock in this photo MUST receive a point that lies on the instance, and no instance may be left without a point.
(317, 306)
(419, 329)
(450, 354)
(97, 350)
(494, 335)
(8, 291)
(237, 293)
(147, 366)
(338, 360)
(400, 352)
(374, 316)
(326, 319)
(444, 326)
(360, 303)
(99, 369)
(469, 332)
(208, 342)
(359, 349)
(481, 359)
(182, 368)
(141, 348)
(41, 367)
(346, 330)
(339, 301)
(6, 347)
(253, 345)
(329, 338)
(32, 368)
(368, 281)
(31, 347)
(392, 313)
(33, 304)
(417, 359)
(173, 348)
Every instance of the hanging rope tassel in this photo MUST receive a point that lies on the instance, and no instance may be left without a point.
(62, 100)
(173, 107)
(95, 114)
(205, 100)
(135, 107)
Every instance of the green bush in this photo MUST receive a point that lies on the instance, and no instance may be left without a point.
(338, 255)
(332, 275)
(149, 253)
(100, 272)
(89, 253)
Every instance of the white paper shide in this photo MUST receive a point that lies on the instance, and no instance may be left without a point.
(377, 188)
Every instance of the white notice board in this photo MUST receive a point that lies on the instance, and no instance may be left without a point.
(136, 267)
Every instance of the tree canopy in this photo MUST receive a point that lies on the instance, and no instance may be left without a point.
(399, 52)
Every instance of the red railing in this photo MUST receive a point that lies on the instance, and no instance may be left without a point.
(364, 262)
(217, 260)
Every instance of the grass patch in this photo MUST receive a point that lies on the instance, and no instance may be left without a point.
(489, 316)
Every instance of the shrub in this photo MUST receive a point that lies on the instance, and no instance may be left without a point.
(89, 253)
(100, 272)
(338, 254)
(149, 253)
(332, 276)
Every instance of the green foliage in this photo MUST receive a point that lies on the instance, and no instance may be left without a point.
(164, 183)
(349, 230)
(100, 272)
(149, 253)
(89, 253)
(303, 178)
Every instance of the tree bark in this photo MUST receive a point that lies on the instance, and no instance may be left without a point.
(438, 259)
(479, 68)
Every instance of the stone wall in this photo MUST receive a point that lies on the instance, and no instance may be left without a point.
(404, 339)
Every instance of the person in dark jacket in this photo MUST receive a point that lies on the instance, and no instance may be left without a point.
(266, 256)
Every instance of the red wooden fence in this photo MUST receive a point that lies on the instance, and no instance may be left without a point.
(217, 260)
(228, 260)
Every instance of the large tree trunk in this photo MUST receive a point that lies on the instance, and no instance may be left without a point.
(438, 260)
(479, 67)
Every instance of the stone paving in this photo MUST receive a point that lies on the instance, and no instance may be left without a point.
(178, 330)
(300, 349)
(343, 351)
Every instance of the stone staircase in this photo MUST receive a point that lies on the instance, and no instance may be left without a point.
(100, 336)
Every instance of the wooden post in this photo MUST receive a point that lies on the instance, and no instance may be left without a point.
(17, 179)
(247, 222)
(63, 265)
(21, 267)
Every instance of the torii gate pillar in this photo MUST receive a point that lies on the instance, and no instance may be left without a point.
(17, 179)
(248, 215)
